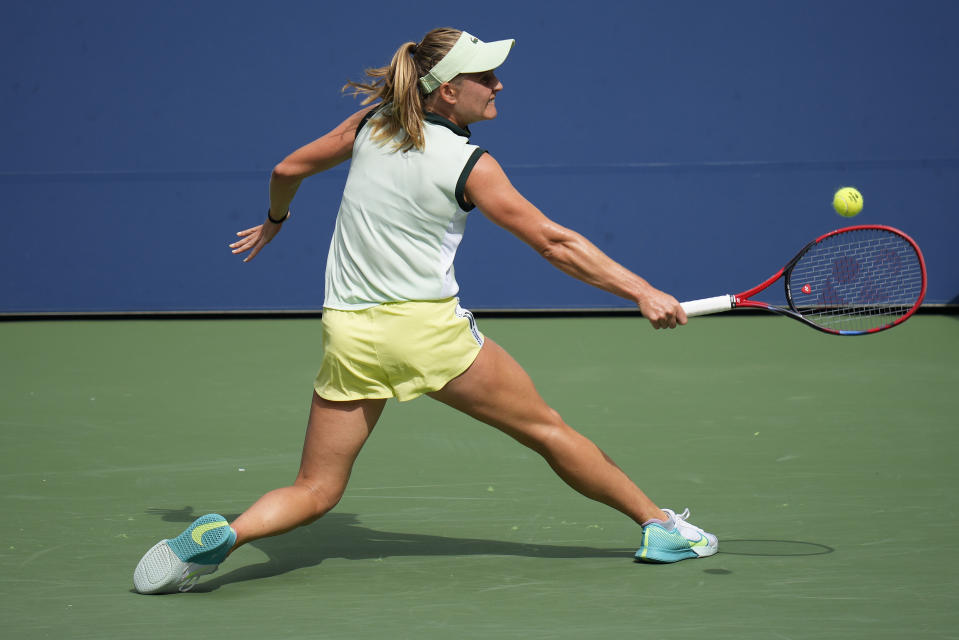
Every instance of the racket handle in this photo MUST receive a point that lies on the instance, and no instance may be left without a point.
(706, 306)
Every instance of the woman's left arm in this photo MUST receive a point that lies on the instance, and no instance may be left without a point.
(323, 153)
(491, 191)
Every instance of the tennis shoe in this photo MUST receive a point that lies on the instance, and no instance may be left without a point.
(675, 540)
(176, 565)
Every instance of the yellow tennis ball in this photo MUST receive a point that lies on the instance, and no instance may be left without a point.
(847, 202)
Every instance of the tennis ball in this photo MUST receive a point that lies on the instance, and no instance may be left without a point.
(847, 202)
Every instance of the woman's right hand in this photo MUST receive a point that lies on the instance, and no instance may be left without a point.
(662, 310)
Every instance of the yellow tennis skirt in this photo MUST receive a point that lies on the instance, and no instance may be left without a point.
(396, 349)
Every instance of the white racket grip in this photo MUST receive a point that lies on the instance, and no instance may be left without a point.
(706, 306)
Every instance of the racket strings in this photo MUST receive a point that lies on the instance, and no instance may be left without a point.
(858, 280)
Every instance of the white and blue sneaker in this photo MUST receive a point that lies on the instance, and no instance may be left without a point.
(675, 540)
(176, 565)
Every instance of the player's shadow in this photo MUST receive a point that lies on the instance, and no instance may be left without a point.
(341, 535)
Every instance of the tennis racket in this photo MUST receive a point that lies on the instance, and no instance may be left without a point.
(849, 282)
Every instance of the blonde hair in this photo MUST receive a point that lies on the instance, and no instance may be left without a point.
(397, 86)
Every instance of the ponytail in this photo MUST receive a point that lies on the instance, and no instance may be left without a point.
(397, 87)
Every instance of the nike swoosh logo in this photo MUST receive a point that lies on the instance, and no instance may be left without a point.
(197, 533)
(702, 542)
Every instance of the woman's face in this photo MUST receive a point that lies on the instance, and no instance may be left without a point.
(476, 97)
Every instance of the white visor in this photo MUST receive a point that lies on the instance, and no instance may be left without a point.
(468, 55)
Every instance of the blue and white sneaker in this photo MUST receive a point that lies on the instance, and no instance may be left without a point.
(176, 565)
(675, 540)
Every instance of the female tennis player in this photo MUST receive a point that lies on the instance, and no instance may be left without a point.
(392, 325)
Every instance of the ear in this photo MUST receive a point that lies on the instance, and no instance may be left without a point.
(447, 93)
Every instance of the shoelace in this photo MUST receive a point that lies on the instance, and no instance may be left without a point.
(688, 530)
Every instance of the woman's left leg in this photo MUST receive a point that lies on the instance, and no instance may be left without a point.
(334, 437)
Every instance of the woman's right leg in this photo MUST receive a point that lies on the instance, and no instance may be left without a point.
(496, 390)
(334, 437)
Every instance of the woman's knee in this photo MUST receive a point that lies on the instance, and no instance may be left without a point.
(549, 431)
(321, 496)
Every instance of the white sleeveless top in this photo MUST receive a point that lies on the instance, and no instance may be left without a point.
(401, 219)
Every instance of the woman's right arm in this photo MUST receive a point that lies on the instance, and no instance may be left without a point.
(323, 153)
(491, 191)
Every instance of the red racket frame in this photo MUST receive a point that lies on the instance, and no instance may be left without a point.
(742, 299)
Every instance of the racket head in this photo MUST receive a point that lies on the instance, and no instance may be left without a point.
(857, 280)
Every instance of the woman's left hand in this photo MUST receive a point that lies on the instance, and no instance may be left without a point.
(254, 239)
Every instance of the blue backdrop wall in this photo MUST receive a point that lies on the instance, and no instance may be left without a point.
(697, 142)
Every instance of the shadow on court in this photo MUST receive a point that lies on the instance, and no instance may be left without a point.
(340, 535)
(772, 548)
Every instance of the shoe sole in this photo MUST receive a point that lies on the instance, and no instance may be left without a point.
(159, 570)
(659, 556)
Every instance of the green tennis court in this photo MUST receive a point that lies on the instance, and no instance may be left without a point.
(825, 466)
